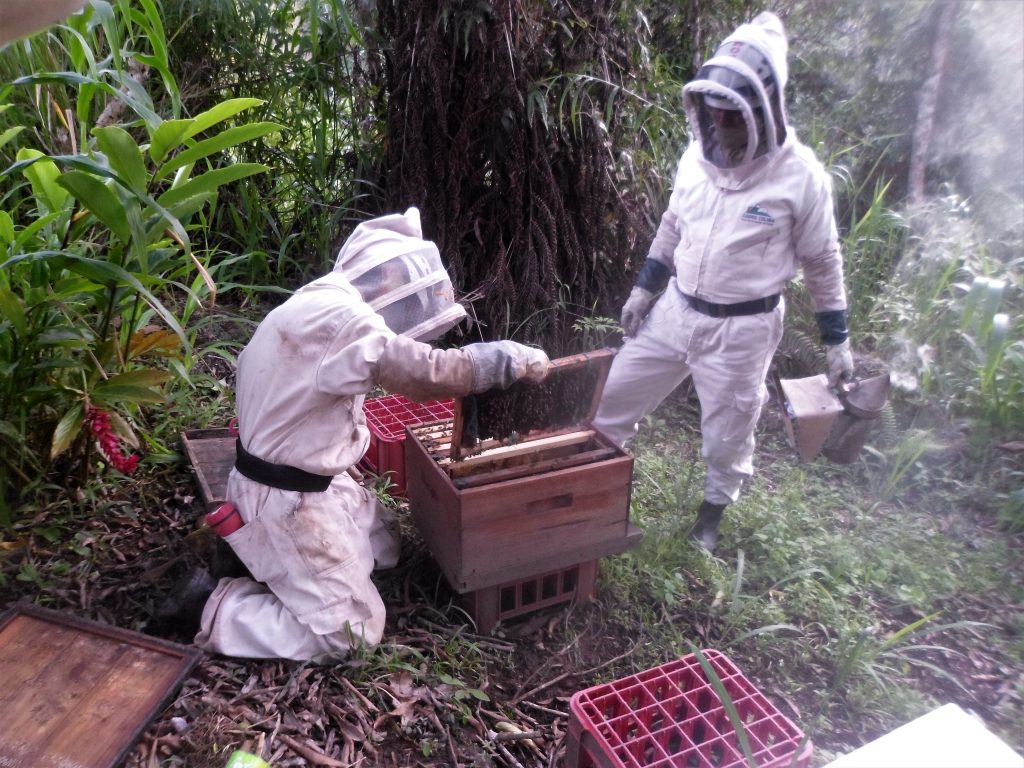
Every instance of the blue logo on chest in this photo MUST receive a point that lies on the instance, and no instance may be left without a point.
(755, 214)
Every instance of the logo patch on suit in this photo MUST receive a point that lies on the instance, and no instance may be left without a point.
(757, 215)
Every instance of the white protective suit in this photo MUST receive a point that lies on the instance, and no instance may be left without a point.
(736, 230)
(300, 388)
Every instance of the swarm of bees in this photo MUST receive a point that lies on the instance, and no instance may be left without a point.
(562, 400)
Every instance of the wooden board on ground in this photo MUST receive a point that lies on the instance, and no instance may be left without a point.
(78, 693)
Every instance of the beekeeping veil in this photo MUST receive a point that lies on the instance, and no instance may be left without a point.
(736, 104)
(400, 275)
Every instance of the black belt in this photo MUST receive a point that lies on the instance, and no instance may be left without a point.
(278, 475)
(752, 307)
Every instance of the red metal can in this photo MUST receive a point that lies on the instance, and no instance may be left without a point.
(224, 520)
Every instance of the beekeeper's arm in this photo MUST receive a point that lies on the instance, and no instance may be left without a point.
(817, 250)
(19, 18)
(420, 372)
(657, 269)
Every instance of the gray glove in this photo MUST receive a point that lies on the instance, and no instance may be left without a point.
(502, 363)
(840, 363)
(635, 310)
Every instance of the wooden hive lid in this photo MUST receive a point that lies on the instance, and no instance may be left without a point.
(74, 692)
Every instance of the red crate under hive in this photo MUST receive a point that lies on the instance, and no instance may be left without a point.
(490, 605)
(672, 716)
(387, 417)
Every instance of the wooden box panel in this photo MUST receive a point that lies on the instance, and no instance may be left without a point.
(518, 528)
(79, 693)
(211, 452)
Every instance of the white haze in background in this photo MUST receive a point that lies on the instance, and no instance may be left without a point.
(989, 131)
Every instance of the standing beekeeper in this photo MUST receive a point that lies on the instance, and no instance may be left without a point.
(750, 205)
(311, 533)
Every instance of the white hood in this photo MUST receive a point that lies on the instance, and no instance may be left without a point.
(763, 41)
(400, 276)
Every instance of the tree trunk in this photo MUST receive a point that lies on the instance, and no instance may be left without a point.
(926, 107)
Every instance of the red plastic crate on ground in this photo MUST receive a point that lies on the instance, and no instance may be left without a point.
(387, 418)
(671, 716)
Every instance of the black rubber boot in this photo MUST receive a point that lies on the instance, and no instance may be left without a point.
(182, 609)
(705, 529)
(224, 563)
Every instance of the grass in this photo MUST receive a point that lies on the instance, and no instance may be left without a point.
(854, 594)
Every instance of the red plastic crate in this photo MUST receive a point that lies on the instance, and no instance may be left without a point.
(490, 605)
(387, 418)
(671, 716)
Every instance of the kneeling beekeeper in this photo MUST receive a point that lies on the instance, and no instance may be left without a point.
(312, 535)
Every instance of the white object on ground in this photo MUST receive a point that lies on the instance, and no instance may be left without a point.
(947, 737)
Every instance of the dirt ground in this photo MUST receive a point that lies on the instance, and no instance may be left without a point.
(372, 709)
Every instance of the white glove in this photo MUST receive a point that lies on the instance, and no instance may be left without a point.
(840, 363)
(502, 363)
(635, 310)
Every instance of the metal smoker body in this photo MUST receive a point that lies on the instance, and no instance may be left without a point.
(834, 423)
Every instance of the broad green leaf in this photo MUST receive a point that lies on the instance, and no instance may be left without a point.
(8, 430)
(154, 26)
(31, 157)
(175, 226)
(151, 21)
(100, 272)
(25, 235)
(124, 156)
(168, 135)
(113, 394)
(80, 55)
(106, 273)
(95, 196)
(220, 113)
(61, 337)
(210, 181)
(6, 227)
(67, 430)
(103, 14)
(42, 173)
(10, 133)
(124, 88)
(65, 78)
(133, 214)
(218, 143)
(134, 95)
(145, 377)
(53, 365)
(12, 309)
(182, 211)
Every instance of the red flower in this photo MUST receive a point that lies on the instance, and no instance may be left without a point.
(99, 424)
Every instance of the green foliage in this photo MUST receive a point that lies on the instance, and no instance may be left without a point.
(952, 330)
(318, 70)
(98, 275)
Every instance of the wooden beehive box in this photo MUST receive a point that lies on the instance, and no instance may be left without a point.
(494, 510)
